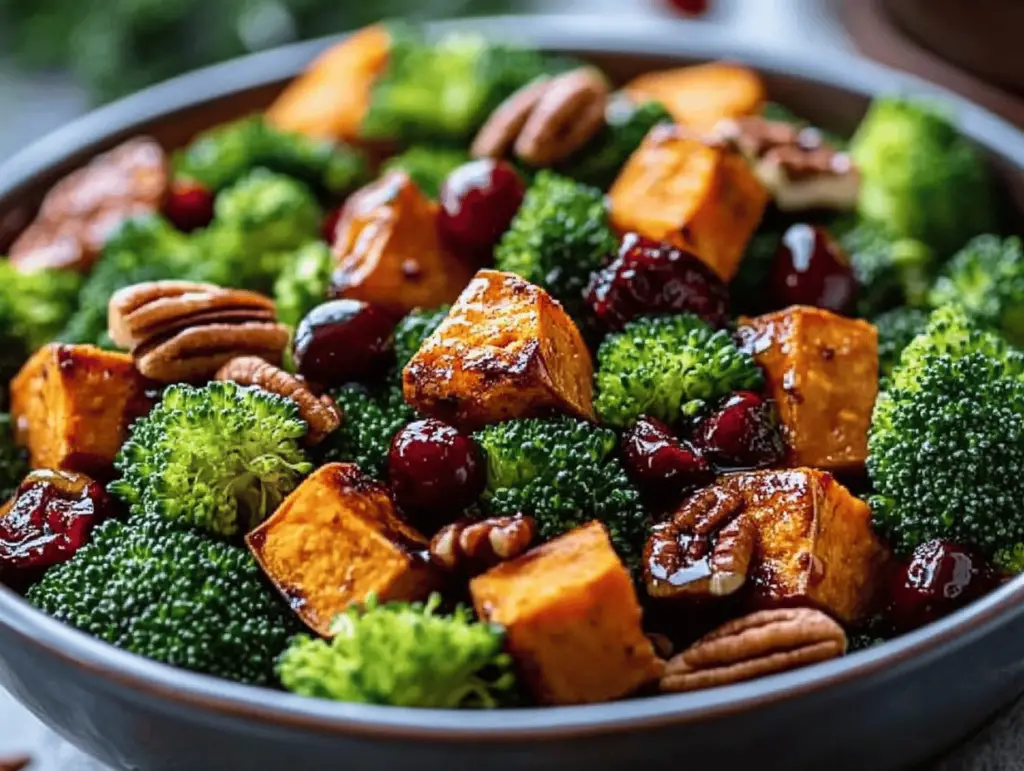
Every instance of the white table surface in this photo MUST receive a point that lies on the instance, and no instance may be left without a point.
(47, 102)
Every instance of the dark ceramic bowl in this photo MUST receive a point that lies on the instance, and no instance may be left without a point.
(878, 709)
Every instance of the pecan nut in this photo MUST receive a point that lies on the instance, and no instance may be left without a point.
(705, 548)
(81, 211)
(179, 331)
(763, 643)
(547, 120)
(320, 412)
(794, 162)
(15, 763)
(472, 546)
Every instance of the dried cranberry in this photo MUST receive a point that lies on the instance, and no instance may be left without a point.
(329, 224)
(189, 205)
(939, 578)
(661, 465)
(689, 7)
(650, 277)
(478, 201)
(343, 340)
(49, 519)
(435, 471)
(743, 433)
(811, 268)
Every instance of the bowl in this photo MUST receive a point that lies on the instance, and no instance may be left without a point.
(880, 709)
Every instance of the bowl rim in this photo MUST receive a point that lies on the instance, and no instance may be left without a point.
(584, 34)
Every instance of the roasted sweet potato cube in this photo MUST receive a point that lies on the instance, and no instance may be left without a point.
(692, 192)
(72, 405)
(699, 96)
(330, 99)
(822, 371)
(506, 350)
(816, 545)
(572, 619)
(388, 250)
(337, 539)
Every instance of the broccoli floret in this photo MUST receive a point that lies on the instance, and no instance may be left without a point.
(920, 177)
(668, 367)
(143, 249)
(444, 90)
(944, 432)
(626, 125)
(986, 278)
(403, 655)
(1010, 560)
(412, 330)
(303, 282)
(33, 309)
(372, 418)
(890, 271)
(13, 459)
(747, 287)
(559, 236)
(563, 472)
(171, 594)
(223, 155)
(428, 166)
(220, 457)
(896, 328)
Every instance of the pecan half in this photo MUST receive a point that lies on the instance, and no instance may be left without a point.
(179, 331)
(704, 549)
(472, 546)
(760, 644)
(320, 412)
(547, 120)
(15, 763)
(795, 163)
(80, 212)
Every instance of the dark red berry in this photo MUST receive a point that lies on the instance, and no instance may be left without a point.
(811, 268)
(343, 340)
(649, 277)
(49, 519)
(743, 433)
(329, 224)
(689, 7)
(939, 578)
(435, 471)
(189, 205)
(478, 201)
(661, 465)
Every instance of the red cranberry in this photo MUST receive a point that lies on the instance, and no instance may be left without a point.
(650, 277)
(329, 224)
(49, 519)
(689, 7)
(743, 433)
(343, 340)
(435, 471)
(939, 578)
(189, 205)
(478, 201)
(661, 465)
(810, 268)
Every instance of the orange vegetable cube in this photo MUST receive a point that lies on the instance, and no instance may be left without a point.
(335, 540)
(692, 192)
(822, 371)
(507, 349)
(572, 619)
(72, 405)
(388, 250)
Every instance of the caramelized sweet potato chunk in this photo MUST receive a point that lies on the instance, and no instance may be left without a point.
(330, 99)
(822, 371)
(336, 539)
(72, 405)
(388, 250)
(699, 96)
(816, 545)
(691, 192)
(572, 619)
(506, 350)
